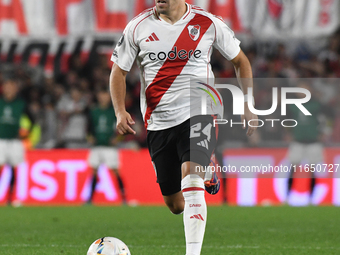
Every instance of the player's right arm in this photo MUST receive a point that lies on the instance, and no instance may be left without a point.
(118, 92)
(123, 58)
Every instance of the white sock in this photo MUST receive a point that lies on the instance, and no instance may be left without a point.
(195, 213)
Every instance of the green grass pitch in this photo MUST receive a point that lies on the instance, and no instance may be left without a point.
(155, 231)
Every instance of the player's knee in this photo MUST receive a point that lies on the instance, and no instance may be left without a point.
(175, 202)
(185, 171)
(187, 168)
(177, 208)
(191, 168)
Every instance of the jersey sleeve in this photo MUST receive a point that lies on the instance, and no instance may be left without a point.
(126, 50)
(226, 42)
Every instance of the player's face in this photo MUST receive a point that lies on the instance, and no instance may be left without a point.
(165, 6)
(10, 90)
(104, 98)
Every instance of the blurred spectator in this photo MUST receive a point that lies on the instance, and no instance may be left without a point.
(71, 110)
(71, 79)
(330, 57)
(48, 124)
(84, 86)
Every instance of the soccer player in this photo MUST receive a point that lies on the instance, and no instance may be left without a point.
(307, 137)
(12, 150)
(172, 44)
(103, 137)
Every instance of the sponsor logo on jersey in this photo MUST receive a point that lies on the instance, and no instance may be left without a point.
(175, 54)
(195, 205)
(194, 32)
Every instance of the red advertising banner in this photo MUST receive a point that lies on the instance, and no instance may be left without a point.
(62, 177)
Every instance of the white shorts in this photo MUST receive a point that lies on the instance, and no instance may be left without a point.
(311, 153)
(12, 152)
(104, 155)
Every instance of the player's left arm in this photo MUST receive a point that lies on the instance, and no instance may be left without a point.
(245, 79)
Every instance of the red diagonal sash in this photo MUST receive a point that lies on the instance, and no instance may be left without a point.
(172, 68)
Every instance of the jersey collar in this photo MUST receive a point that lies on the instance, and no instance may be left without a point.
(184, 17)
(187, 14)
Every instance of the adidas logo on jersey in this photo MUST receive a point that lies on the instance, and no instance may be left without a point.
(197, 216)
(152, 37)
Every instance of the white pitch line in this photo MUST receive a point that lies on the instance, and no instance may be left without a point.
(237, 246)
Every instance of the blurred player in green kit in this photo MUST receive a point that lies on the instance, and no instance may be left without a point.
(102, 121)
(306, 146)
(12, 108)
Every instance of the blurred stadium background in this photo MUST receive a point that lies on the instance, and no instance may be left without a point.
(59, 50)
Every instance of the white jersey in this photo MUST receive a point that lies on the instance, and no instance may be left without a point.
(170, 57)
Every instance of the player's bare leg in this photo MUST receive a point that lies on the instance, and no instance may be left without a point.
(290, 184)
(11, 186)
(121, 185)
(93, 185)
(311, 188)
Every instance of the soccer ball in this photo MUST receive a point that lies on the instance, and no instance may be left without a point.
(108, 246)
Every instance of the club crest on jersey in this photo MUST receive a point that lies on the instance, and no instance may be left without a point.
(194, 32)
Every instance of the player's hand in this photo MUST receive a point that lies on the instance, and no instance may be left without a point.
(124, 122)
(248, 115)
